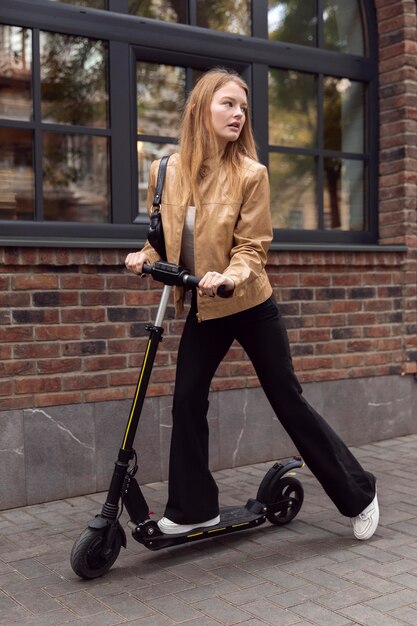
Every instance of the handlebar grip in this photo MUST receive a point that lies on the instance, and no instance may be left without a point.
(193, 281)
(181, 276)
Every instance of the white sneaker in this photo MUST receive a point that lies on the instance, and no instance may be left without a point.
(365, 524)
(171, 528)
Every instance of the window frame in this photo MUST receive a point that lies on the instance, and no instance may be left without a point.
(132, 38)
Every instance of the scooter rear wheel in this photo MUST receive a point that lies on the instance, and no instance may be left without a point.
(87, 558)
(288, 499)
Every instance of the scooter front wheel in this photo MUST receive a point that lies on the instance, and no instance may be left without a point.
(288, 500)
(88, 559)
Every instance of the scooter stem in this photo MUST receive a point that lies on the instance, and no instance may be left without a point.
(163, 305)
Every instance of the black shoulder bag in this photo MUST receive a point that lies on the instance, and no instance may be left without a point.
(156, 232)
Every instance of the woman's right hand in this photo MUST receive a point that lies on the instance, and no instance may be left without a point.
(134, 262)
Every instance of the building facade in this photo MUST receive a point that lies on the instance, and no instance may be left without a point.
(91, 92)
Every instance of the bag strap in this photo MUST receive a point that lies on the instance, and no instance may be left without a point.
(157, 199)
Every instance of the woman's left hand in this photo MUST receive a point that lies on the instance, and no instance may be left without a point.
(211, 281)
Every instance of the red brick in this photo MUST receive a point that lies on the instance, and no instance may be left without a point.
(104, 331)
(17, 367)
(13, 299)
(39, 384)
(16, 402)
(80, 281)
(55, 366)
(16, 333)
(57, 332)
(84, 381)
(104, 363)
(106, 394)
(34, 281)
(36, 350)
(56, 399)
(86, 315)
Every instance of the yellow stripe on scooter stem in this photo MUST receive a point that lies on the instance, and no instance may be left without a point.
(136, 395)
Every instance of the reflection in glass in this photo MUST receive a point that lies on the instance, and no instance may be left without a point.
(16, 175)
(230, 16)
(148, 152)
(92, 4)
(73, 80)
(344, 194)
(167, 10)
(293, 191)
(161, 96)
(292, 108)
(293, 21)
(15, 73)
(343, 26)
(343, 114)
(75, 178)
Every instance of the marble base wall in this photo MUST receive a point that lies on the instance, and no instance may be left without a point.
(64, 451)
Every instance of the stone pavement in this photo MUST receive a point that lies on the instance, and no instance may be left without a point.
(309, 572)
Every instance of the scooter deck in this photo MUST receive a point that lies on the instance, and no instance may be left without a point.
(232, 519)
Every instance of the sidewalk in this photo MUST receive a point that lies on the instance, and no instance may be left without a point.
(309, 572)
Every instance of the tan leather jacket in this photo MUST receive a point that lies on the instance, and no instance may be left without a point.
(230, 236)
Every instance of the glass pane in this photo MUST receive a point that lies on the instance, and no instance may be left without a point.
(17, 188)
(15, 73)
(148, 152)
(167, 10)
(75, 178)
(230, 16)
(344, 194)
(93, 4)
(293, 191)
(73, 80)
(343, 26)
(292, 108)
(293, 21)
(343, 114)
(161, 96)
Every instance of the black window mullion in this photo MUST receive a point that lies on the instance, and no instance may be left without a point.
(122, 170)
(259, 14)
(117, 6)
(320, 147)
(259, 93)
(37, 120)
(192, 12)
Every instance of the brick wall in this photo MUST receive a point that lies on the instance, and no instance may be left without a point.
(397, 29)
(72, 323)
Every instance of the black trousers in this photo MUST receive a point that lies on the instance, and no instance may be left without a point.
(193, 493)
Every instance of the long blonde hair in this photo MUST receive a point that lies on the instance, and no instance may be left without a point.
(197, 137)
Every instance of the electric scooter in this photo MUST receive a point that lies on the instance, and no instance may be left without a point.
(278, 500)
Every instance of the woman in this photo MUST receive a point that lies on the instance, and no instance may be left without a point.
(216, 219)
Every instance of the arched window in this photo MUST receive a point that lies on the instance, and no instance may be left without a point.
(91, 90)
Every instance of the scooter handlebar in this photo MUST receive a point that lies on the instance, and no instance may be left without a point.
(171, 274)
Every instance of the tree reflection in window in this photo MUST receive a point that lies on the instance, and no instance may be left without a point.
(160, 98)
(74, 80)
(92, 4)
(343, 27)
(293, 191)
(293, 21)
(230, 16)
(292, 108)
(17, 187)
(15, 73)
(167, 10)
(75, 172)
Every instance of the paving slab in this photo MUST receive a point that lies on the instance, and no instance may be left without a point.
(311, 572)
